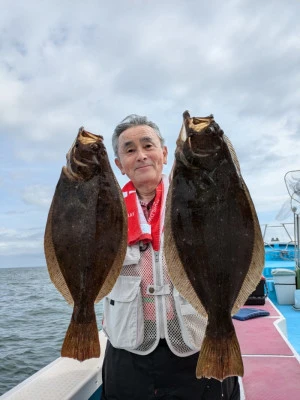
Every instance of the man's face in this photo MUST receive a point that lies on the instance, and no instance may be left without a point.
(141, 156)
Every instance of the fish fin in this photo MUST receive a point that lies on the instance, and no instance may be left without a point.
(116, 268)
(258, 253)
(257, 262)
(113, 274)
(81, 341)
(220, 358)
(175, 268)
(55, 273)
(233, 154)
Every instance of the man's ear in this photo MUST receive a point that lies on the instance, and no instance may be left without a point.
(165, 153)
(119, 165)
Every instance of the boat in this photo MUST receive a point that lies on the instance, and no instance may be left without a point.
(270, 345)
(63, 379)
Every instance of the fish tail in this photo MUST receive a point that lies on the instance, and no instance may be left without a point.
(220, 358)
(81, 341)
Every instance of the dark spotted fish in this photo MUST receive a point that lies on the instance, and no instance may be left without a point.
(85, 239)
(213, 243)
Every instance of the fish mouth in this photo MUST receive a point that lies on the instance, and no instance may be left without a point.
(87, 139)
(202, 135)
(196, 124)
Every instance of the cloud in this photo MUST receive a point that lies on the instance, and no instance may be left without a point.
(65, 64)
(16, 212)
(37, 195)
(13, 242)
(191, 58)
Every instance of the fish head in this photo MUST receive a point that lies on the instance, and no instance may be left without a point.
(200, 141)
(86, 155)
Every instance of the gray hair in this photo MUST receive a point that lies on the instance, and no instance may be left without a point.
(130, 121)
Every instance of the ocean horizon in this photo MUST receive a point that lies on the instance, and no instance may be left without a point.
(34, 321)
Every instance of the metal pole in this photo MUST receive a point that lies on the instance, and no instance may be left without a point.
(298, 241)
(295, 241)
(264, 234)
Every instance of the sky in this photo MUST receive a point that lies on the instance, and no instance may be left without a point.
(67, 64)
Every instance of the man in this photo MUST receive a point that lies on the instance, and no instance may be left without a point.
(154, 335)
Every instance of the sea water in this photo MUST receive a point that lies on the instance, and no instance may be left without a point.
(34, 318)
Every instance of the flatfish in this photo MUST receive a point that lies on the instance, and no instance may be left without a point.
(213, 243)
(85, 239)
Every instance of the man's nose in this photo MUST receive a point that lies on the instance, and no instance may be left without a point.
(141, 154)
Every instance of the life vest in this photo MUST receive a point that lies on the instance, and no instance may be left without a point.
(144, 306)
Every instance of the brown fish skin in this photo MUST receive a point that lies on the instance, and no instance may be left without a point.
(85, 239)
(213, 247)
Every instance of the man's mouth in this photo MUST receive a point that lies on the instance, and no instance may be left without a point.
(143, 166)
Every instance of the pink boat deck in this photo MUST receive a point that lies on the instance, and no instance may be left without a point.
(271, 365)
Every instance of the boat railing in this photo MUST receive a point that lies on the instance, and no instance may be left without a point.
(281, 251)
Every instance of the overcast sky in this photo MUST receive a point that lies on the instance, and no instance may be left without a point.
(64, 64)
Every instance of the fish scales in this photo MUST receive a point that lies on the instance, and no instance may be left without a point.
(213, 247)
(85, 239)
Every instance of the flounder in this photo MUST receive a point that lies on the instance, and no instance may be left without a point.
(213, 243)
(85, 239)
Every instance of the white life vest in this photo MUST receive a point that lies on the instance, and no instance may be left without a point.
(144, 307)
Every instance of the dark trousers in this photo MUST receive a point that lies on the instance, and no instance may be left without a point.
(160, 375)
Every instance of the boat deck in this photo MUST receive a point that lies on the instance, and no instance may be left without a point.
(271, 364)
(292, 318)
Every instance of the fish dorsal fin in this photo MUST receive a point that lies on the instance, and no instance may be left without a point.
(118, 262)
(255, 270)
(55, 273)
(175, 268)
(233, 154)
(257, 262)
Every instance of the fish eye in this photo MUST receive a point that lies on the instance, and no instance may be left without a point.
(94, 146)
